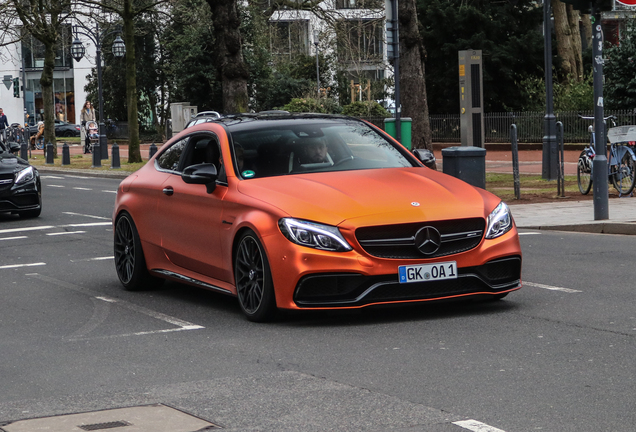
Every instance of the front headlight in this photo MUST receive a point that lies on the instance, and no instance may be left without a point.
(313, 235)
(499, 222)
(24, 176)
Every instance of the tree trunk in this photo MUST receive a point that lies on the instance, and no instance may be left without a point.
(565, 49)
(412, 79)
(586, 21)
(134, 154)
(573, 21)
(46, 81)
(232, 71)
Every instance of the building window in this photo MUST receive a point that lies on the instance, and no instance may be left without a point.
(359, 4)
(287, 38)
(33, 51)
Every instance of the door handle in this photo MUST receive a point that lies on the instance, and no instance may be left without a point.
(168, 191)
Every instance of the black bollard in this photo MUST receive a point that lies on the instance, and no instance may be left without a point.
(49, 154)
(24, 151)
(66, 154)
(152, 150)
(97, 156)
(114, 164)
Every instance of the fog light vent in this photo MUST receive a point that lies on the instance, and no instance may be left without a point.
(101, 426)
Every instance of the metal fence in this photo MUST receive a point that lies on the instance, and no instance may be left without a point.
(447, 128)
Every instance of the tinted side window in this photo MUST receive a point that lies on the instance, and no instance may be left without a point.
(169, 159)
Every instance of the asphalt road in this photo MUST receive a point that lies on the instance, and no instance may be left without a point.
(558, 355)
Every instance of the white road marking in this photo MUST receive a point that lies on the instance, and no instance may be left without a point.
(79, 177)
(110, 191)
(181, 325)
(48, 227)
(37, 228)
(476, 426)
(87, 224)
(57, 186)
(65, 233)
(13, 238)
(51, 177)
(94, 259)
(86, 215)
(22, 265)
(551, 288)
(82, 188)
(530, 233)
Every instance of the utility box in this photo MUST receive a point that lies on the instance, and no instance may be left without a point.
(466, 163)
(405, 129)
(471, 98)
(181, 113)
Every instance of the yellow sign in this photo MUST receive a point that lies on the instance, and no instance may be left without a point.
(462, 70)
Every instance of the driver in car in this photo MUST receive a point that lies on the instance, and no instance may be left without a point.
(314, 152)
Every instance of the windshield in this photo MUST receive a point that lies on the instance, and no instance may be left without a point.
(303, 147)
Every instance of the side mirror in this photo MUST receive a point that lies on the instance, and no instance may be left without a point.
(426, 157)
(205, 174)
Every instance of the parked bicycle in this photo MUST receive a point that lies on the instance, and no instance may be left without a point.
(621, 167)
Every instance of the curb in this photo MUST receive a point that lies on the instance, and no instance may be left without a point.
(84, 172)
(621, 228)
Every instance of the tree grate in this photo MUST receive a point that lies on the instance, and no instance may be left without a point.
(100, 426)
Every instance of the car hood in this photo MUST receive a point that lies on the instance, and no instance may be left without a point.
(10, 163)
(370, 197)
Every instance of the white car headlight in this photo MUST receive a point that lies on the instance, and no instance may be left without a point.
(24, 175)
(499, 222)
(313, 235)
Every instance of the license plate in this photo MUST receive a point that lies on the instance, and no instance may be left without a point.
(428, 272)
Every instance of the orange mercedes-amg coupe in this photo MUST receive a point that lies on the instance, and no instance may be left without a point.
(309, 212)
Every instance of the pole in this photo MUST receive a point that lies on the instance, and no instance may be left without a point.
(599, 167)
(549, 167)
(100, 96)
(317, 73)
(396, 69)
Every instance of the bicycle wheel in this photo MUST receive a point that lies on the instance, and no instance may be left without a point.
(623, 177)
(39, 144)
(584, 173)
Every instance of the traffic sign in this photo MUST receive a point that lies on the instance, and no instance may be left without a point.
(627, 2)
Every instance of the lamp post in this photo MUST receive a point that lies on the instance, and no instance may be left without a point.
(549, 162)
(78, 51)
(317, 65)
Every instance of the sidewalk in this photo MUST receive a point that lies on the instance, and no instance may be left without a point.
(566, 215)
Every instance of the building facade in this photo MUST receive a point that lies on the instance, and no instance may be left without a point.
(24, 60)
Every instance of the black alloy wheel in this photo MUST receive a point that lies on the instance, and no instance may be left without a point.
(129, 256)
(254, 285)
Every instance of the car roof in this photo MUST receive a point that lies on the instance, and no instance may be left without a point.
(240, 122)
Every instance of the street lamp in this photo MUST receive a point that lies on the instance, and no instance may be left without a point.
(317, 65)
(78, 51)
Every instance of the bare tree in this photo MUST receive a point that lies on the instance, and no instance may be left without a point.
(43, 20)
(128, 11)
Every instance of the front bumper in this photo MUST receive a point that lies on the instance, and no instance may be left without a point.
(18, 198)
(350, 289)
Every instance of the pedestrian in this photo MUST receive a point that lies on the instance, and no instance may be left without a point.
(88, 114)
(4, 123)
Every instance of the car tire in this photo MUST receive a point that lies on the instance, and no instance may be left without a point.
(252, 275)
(130, 263)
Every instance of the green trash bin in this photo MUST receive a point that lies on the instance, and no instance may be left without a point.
(405, 123)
